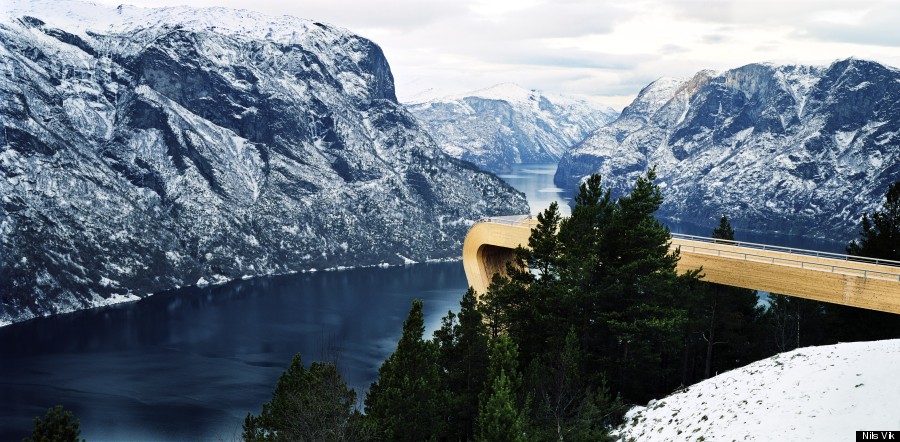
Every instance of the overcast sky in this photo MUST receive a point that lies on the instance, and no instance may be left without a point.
(603, 49)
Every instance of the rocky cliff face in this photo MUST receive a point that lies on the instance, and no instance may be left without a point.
(799, 150)
(506, 124)
(146, 149)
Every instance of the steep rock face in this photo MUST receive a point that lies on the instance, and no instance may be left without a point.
(146, 149)
(799, 150)
(506, 124)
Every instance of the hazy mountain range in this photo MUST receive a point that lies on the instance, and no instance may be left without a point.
(506, 124)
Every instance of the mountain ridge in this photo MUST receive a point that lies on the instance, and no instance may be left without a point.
(155, 157)
(791, 149)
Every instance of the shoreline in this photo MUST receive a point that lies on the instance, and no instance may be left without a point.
(130, 297)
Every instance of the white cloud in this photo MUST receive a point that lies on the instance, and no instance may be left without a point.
(609, 49)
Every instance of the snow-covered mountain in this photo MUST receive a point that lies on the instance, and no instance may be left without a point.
(507, 124)
(147, 149)
(816, 393)
(800, 150)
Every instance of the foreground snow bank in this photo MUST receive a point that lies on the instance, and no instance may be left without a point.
(813, 393)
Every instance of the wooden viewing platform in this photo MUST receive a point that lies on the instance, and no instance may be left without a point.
(855, 281)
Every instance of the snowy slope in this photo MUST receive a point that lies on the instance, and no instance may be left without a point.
(507, 124)
(816, 393)
(147, 149)
(791, 149)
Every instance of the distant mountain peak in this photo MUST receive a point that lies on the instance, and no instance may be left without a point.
(510, 92)
(507, 124)
(654, 96)
(506, 92)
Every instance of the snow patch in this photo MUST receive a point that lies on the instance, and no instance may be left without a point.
(744, 134)
(406, 261)
(862, 85)
(115, 298)
(843, 139)
(813, 393)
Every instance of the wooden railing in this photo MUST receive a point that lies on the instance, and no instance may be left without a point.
(849, 280)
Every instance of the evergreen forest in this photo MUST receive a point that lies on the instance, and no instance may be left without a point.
(590, 318)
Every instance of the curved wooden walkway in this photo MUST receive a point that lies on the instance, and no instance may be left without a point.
(840, 279)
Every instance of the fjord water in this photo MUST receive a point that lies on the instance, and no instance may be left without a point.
(189, 364)
(536, 180)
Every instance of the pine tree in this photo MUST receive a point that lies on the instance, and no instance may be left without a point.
(580, 234)
(539, 300)
(880, 235)
(504, 358)
(516, 305)
(58, 425)
(639, 299)
(405, 403)
(610, 275)
(499, 419)
(308, 405)
(567, 407)
(543, 252)
(879, 238)
(724, 231)
(463, 361)
(501, 415)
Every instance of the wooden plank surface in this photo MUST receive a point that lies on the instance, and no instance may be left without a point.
(860, 284)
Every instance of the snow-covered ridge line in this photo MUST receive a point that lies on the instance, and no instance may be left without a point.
(81, 17)
(510, 92)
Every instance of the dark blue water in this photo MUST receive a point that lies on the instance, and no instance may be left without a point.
(190, 364)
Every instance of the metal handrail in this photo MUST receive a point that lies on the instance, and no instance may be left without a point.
(515, 220)
(815, 253)
(802, 264)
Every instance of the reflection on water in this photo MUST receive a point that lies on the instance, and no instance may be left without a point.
(536, 180)
(190, 364)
